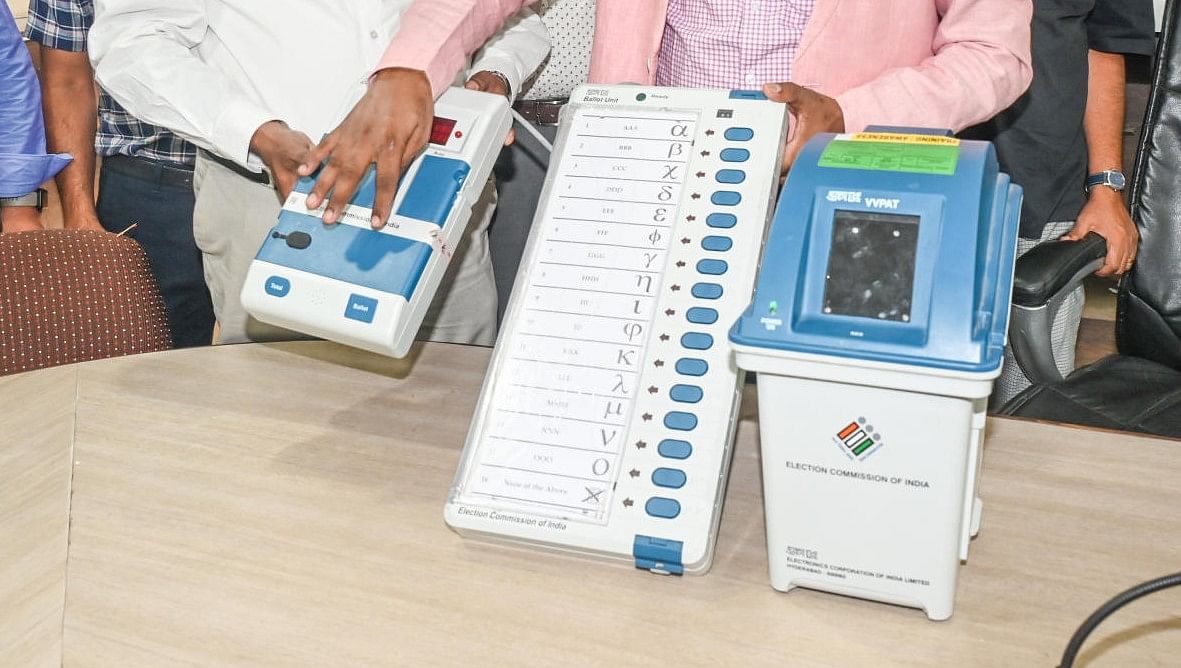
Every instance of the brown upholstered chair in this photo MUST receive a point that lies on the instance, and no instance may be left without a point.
(71, 296)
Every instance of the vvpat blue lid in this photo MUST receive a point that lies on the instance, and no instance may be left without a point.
(894, 247)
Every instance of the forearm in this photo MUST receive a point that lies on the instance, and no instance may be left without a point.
(516, 51)
(71, 115)
(436, 36)
(1103, 122)
(981, 64)
(19, 219)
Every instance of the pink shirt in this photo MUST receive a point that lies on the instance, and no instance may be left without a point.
(927, 63)
(437, 36)
(730, 43)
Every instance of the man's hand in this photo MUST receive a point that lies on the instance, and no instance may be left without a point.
(488, 82)
(20, 219)
(389, 126)
(283, 150)
(814, 113)
(1106, 215)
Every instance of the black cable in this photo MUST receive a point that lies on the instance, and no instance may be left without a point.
(1144, 589)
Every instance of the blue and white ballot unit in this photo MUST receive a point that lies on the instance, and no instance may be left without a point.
(371, 289)
(877, 328)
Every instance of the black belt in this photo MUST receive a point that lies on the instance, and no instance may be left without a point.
(261, 178)
(542, 112)
(147, 169)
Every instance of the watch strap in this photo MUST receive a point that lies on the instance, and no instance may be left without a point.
(1109, 177)
(35, 198)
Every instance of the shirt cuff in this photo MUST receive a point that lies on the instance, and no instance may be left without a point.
(234, 129)
(509, 67)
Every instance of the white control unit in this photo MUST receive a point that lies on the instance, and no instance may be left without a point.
(371, 288)
(606, 418)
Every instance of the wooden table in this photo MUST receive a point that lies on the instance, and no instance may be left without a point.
(282, 505)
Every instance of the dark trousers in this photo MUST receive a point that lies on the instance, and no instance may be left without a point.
(159, 200)
(520, 173)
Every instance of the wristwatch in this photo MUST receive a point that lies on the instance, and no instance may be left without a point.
(504, 79)
(1109, 177)
(35, 198)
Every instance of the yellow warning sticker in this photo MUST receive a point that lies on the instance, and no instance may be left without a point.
(897, 138)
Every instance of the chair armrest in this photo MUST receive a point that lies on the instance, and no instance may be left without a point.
(1054, 267)
(1042, 279)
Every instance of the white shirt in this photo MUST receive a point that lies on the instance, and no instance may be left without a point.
(213, 71)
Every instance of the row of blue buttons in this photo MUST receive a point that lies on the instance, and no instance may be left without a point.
(690, 394)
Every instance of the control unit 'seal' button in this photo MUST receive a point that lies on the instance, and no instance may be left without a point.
(277, 286)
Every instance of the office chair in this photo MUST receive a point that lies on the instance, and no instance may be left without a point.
(1138, 389)
(71, 296)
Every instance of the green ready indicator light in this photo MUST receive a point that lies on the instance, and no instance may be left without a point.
(640, 97)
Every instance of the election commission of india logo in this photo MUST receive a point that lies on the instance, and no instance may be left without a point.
(858, 439)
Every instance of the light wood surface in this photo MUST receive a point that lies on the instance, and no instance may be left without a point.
(36, 432)
(282, 505)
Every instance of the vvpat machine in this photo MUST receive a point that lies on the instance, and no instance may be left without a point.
(876, 329)
(371, 288)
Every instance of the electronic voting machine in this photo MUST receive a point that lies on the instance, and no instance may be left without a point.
(606, 418)
(371, 288)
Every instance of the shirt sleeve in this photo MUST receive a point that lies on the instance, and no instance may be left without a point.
(59, 24)
(173, 88)
(24, 165)
(516, 51)
(980, 65)
(437, 36)
(1122, 26)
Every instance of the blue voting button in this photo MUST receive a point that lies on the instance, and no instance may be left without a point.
(734, 155)
(680, 421)
(691, 366)
(671, 478)
(277, 286)
(739, 134)
(716, 243)
(659, 506)
(697, 340)
(671, 448)
(726, 198)
(686, 394)
(723, 220)
(707, 290)
(714, 267)
(699, 315)
(731, 176)
(360, 308)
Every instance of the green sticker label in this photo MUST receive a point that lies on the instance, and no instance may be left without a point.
(891, 156)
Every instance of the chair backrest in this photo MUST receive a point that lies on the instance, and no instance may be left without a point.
(1148, 312)
(71, 296)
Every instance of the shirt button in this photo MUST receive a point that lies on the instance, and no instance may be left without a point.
(750, 78)
(373, 34)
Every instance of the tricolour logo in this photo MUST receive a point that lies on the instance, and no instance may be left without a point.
(858, 439)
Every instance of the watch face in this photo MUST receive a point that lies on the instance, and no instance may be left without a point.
(1110, 178)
